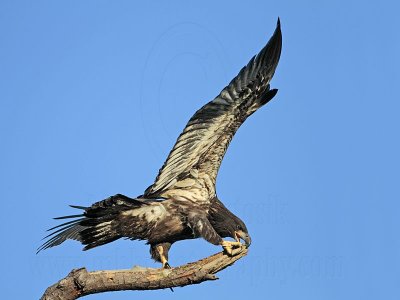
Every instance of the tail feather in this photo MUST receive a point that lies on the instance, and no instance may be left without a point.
(63, 228)
(68, 217)
(70, 231)
(79, 207)
(63, 224)
(97, 226)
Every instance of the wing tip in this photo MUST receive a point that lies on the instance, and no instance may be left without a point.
(278, 31)
(274, 45)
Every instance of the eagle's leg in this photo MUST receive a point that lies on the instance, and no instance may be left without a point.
(202, 227)
(163, 259)
(159, 252)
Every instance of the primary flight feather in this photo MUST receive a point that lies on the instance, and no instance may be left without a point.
(182, 202)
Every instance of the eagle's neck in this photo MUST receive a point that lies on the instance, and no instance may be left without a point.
(221, 218)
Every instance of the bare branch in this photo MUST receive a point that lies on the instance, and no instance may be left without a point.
(80, 282)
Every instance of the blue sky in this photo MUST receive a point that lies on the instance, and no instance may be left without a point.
(94, 93)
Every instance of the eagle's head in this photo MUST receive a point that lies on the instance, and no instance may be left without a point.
(226, 224)
(238, 230)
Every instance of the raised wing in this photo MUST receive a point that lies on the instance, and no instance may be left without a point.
(191, 168)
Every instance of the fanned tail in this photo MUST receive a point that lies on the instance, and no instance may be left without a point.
(94, 227)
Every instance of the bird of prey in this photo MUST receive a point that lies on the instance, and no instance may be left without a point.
(182, 202)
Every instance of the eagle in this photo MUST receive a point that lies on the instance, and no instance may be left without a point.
(182, 202)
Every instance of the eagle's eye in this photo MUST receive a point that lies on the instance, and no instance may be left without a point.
(238, 227)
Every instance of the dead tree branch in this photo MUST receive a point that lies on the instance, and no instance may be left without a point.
(80, 282)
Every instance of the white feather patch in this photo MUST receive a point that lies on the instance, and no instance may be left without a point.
(151, 213)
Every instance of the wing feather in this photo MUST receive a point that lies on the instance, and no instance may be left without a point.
(192, 166)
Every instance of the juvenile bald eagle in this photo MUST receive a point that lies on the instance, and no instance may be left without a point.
(182, 202)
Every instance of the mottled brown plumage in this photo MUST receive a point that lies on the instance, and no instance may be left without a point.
(182, 203)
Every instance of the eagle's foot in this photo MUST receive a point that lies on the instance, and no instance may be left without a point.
(229, 247)
(163, 258)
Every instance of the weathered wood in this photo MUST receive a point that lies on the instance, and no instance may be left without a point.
(80, 282)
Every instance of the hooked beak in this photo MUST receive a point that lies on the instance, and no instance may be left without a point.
(244, 236)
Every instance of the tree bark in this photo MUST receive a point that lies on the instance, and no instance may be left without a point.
(80, 282)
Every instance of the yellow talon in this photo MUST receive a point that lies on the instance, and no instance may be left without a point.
(229, 246)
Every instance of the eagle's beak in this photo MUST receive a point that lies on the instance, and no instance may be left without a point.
(244, 236)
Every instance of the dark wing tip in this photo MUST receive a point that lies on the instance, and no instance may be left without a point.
(277, 33)
(269, 56)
